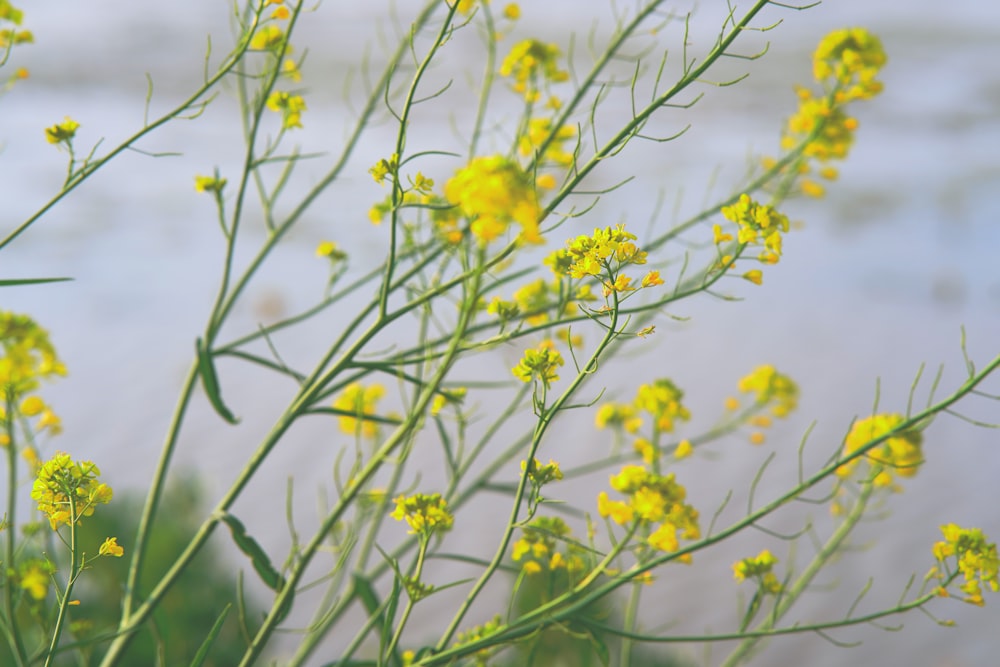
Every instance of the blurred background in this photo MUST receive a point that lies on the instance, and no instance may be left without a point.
(886, 271)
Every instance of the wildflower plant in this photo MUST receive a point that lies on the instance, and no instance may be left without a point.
(493, 246)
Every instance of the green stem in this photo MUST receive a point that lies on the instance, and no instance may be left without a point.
(190, 103)
(13, 634)
(71, 580)
(794, 592)
(542, 426)
(402, 433)
(417, 570)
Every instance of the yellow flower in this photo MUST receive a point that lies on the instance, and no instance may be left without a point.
(683, 450)
(425, 513)
(330, 250)
(268, 37)
(32, 406)
(851, 58)
(646, 450)
(62, 132)
(291, 69)
(111, 548)
(900, 454)
(66, 490)
(289, 106)
(209, 183)
(35, 575)
(620, 415)
(512, 11)
(771, 388)
(759, 567)
(27, 356)
(493, 192)
(974, 557)
(662, 400)
(541, 363)
(620, 512)
(532, 63)
(354, 404)
(652, 279)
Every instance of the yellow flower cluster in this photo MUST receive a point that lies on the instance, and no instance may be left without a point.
(538, 547)
(31, 407)
(493, 192)
(8, 36)
(269, 38)
(356, 402)
(66, 490)
(424, 513)
(537, 298)
(662, 400)
(759, 225)
(846, 63)
(538, 133)
(603, 255)
(28, 355)
(289, 105)
(618, 415)
(539, 474)
(760, 568)
(769, 387)
(833, 128)
(34, 576)
(975, 558)
(62, 132)
(652, 499)
(532, 63)
(851, 59)
(541, 363)
(900, 454)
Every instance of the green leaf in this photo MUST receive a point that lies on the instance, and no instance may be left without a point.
(600, 649)
(249, 546)
(13, 282)
(206, 369)
(199, 657)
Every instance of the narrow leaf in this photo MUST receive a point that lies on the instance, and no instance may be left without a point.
(249, 546)
(206, 369)
(199, 657)
(13, 282)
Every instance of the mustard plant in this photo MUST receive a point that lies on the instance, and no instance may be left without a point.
(494, 245)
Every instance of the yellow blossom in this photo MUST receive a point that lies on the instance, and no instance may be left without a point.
(110, 547)
(356, 403)
(66, 490)
(62, 132)
(290, 106)
(268, 37)
(683, 450)
(540, 363)
(900, 454)
(531, 64)
(425, 514)
(209, 183)
(493, 192)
